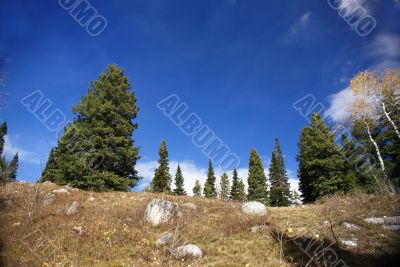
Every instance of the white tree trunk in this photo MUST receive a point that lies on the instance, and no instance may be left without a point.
(390, 120)
(378, 153)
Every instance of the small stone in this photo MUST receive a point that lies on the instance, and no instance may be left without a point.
(60, 191)
(73, 208)
(78, 230)
(350, 226)
(392, 220)
(49, 199)
(257, 228)
(189, 205)
(91, 199)
(187, 251)
(391, 227)
(47, 183)
(165, 238)
(16, 224)
(375, 220)
(349, 243)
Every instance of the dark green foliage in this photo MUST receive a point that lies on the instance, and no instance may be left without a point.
(197, 189)
(234, 195)
(3, 133)
(224, 187)
(162, 179)
(257, 180)
(12, 169)
(321, 164)
(179, 187)
(209, 185)
(241, 191)
(97, 150)
(280, 188)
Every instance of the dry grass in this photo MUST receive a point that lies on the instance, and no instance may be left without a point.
(116, 235)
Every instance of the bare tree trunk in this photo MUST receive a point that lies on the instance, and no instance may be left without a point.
(390, 120)
(378, 153)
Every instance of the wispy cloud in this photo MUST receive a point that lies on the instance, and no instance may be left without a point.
(397, 3)
(301, 23)
(11, 148)
(385, 49)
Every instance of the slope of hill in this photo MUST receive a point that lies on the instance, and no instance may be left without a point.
(108, 229)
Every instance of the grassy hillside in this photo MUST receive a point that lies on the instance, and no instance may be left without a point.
(114, 233)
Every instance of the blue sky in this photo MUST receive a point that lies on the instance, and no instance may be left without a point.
(239, 64)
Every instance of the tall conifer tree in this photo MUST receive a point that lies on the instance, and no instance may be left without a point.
(97, 151)
(162, 179)
(280, 188)
(224, 187)
(197, 189)
(179, 187)
(321, 164)
(209, 185)
(257, 180)
(234, 195)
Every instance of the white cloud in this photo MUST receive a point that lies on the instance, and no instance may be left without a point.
(10, 149)
(340, 105)
(397, 3)
(191, 172)
(386, 50)
(351, 6)
(301, 23)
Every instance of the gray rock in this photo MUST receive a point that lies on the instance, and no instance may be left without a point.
(73, 208)
(392, 220)
(7, 203)
(257, 228)
(391, 227)
(189, 205)
(374, 220)
(60, 191)
(350, 226)
(49, 199)
(349, 243)
(160, 211)
(47, 183)
(16, 224)
(187, 251)
(254, 208)
(78, 230)
(165, 238)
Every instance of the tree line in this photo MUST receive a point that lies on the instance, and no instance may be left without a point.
(97, 150)
(8, 170)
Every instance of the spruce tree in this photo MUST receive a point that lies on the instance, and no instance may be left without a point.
(12, 169)
(241, 191)
(257, 180)
(197, 189)
(179, 187)
(96, 151)
(234, 195)
(321, 164)
(280, 188)
(3, 133)
(209, 185)
(3, 162)
(224, 187)
(162, 179)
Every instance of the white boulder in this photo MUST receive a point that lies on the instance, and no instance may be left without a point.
(60, 191)
(187, 251)
(189, 205)
(254, 208)
(160, 211)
